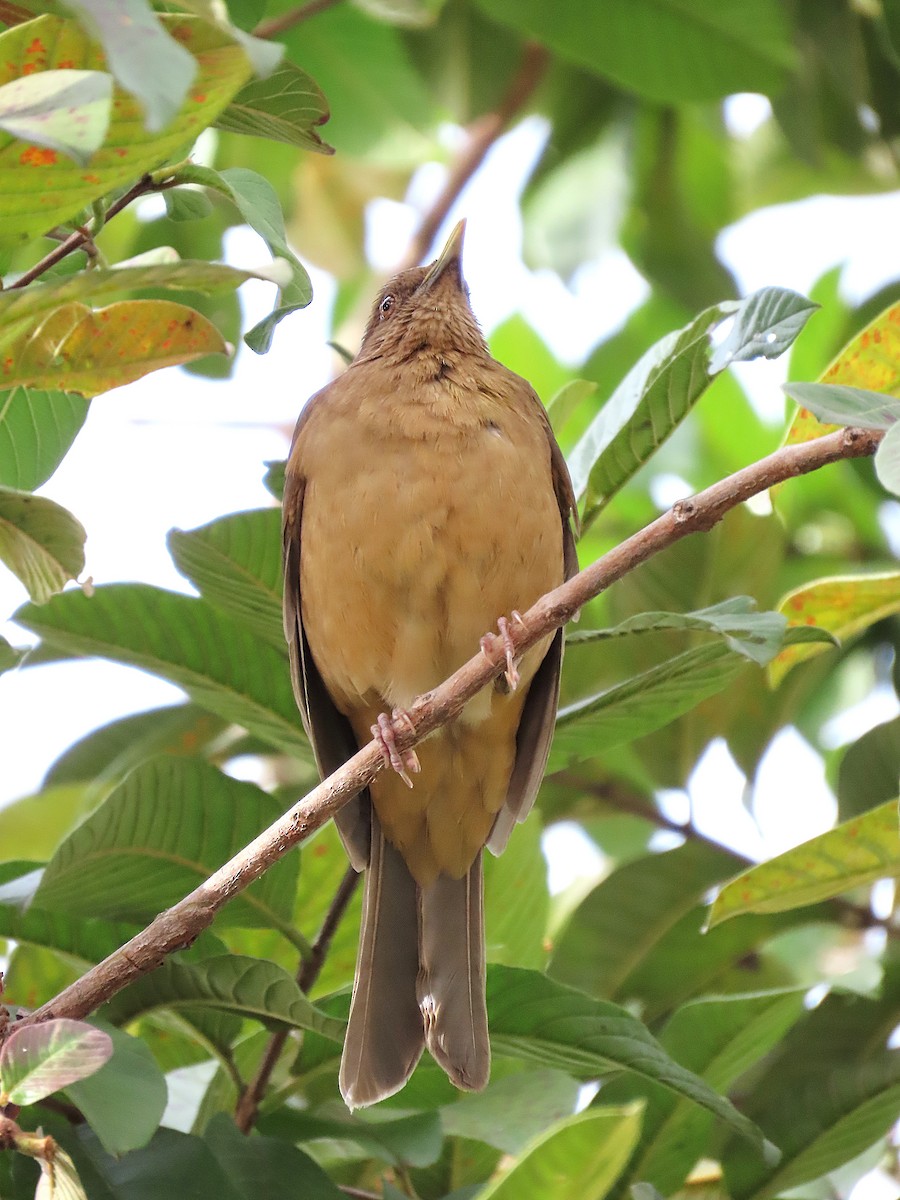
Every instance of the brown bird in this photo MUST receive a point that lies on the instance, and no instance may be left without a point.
(425, 495)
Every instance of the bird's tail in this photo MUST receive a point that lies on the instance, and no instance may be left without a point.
(420, 979)
(385, 1036)
(452, 977)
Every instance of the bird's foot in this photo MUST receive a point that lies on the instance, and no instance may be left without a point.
(511, 674)
(385, 734)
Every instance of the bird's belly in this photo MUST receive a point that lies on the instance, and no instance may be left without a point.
(428, 544)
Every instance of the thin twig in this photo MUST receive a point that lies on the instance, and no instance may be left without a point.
(247, 1108)
(481, 135)
(276, 25)
(82, 237)
(180, 925)
(358, 1193)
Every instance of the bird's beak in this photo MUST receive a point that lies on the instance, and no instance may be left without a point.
(448, 261)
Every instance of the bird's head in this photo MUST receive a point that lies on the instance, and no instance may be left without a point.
(424, 310)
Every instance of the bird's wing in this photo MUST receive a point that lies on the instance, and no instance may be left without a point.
(328, 730)
(535, 732)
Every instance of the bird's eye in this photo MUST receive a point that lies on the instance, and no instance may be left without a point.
(386, 305)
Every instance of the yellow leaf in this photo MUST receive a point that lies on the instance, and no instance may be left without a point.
(871, 360)
(855, 853)
(842, 604)
(40, 186)
(92, 350)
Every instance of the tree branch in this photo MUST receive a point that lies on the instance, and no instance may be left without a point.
(481, 135)
(181, 924)
(281, 24)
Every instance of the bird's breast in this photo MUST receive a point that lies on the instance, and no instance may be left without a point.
(423, 522)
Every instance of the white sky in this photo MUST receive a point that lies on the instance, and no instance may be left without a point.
(175, 450)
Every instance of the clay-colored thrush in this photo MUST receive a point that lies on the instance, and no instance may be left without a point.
(425, 496)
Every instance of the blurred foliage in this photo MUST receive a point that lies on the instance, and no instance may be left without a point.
(328, 108)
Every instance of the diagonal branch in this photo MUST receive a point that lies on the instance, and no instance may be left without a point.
(181, 924)
(480, 137)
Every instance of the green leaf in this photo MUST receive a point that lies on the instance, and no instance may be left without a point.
(258, 204)
(567, 399)
(767, 323)
(414, 1140)
(650, 402)
(235, 563)
(158, 835)
(516, 900)
(41, 1059)
(719, 1038)
(124, 1102)
(513, 1109)
(622, 920)
(757, 636)
(380, 105)
(145, 59)
(535, 1018)
(666, 50)
(578, 1158)
(186, 204)
(89, 941)
(660, 390)
(36, 430)
(286, 106)
(42, 189)
(162, 1168)
(838, 404)
(10, 656)
(40, 541)
(855, 853)
(642, 704)
(869, 770)
(828, 1092)
(232, 983)
(218, 662)
(263, 1166)
(33, 826)
(104, 755)
(66, 111)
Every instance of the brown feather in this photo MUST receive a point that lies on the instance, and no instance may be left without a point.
(425, 496)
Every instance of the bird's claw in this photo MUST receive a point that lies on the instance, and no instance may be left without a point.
(511, 674)
(385, 734)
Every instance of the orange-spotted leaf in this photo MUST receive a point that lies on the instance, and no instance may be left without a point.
(856, 853)
(22, 309)
(805, 426)
(92, 350)
(842, 604)
(40, 542)
(40, 186)
(870, 361)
